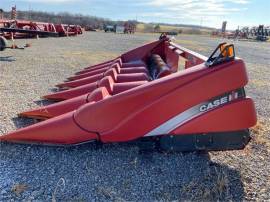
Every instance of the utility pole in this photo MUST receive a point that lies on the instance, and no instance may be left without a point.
(14, 13)
(1, 13)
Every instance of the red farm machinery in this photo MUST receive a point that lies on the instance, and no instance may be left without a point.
(27, 29)
(68, 30)
(14, 28)
(144, 96)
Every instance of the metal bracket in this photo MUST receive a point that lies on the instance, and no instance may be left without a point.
(226, 53)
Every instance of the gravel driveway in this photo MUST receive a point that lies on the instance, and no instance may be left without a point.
(117, 172)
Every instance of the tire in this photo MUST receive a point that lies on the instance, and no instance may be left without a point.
(3, 43)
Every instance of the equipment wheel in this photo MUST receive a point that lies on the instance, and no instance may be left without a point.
(3, 43)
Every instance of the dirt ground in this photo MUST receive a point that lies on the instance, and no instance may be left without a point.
(118, 172)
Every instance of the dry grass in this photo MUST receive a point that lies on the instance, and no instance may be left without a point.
(163, 28)
(259, 83)
(170, 28)
(217, 186)
(261, 132)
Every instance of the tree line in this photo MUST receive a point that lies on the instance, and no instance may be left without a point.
(85, 20)
(65, 18)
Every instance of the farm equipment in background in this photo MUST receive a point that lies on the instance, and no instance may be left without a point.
(4, 45)
(125, 28)
(144, 96)
(109, 28)
(14, 28)
(68, 30)
(259, 33)
(169, 33)
(222, 32)
(26, 29)
(120, 29)
(89, 29)
(227, 34)
(129, 27)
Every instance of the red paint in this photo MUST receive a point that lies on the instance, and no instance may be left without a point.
(117, 100)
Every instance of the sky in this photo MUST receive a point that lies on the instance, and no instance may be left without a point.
(209, 13)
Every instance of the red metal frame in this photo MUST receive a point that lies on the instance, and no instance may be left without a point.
(61, 29)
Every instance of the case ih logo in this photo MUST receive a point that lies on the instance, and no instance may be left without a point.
(219, 101)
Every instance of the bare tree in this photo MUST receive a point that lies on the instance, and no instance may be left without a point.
(64, 18)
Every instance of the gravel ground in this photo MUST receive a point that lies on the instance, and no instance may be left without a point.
(117, 172)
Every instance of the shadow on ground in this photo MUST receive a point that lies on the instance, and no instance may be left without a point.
(21, 122)
(129, 176)
(7, 59)
(43, 102)
(54, 89)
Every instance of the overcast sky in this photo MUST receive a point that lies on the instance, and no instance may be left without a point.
(198, 12)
